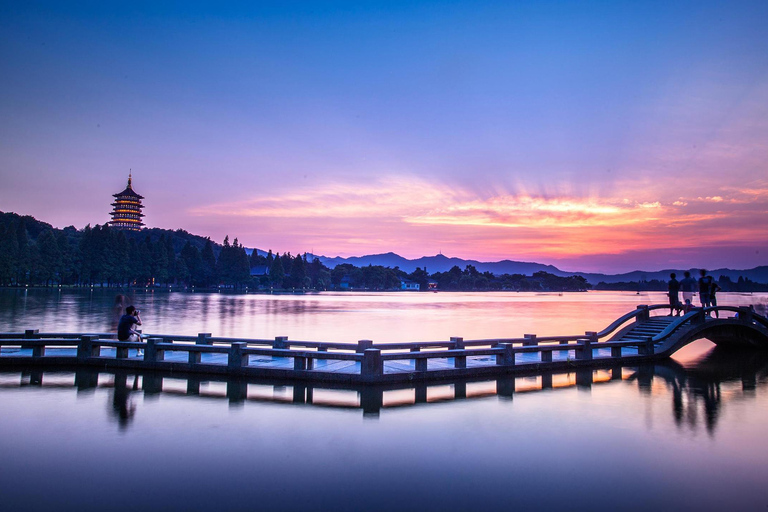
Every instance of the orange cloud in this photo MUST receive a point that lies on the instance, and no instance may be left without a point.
(416, 217)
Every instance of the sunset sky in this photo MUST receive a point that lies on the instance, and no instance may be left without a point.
(595, 136)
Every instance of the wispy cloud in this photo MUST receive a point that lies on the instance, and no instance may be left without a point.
(414, 216)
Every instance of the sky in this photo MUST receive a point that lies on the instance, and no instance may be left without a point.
(593, 135)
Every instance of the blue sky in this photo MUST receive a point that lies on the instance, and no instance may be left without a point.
(592, 135)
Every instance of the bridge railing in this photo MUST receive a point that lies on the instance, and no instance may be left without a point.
(370, 359)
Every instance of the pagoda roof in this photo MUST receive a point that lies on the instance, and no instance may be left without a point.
(128, 192)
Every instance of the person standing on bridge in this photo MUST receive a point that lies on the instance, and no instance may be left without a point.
(705, 286)
(674, 299)
(713, 296)
(687, 286)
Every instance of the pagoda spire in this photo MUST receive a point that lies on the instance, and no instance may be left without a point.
(129, 178)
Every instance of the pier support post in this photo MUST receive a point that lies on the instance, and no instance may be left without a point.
(86, 348)
(420, 394)
(371, 399)
(546, 381)
(237, 391)
(203, 338)
(584, 378)
(237, 359)
(616, 352)
(299, 394)
(507, 356)
(86, 379)
(546, 356)
(372, 365)
(153, 354)
(152, 384)
(193, 386)
(299, 363)
(505, 387)
(459, 390)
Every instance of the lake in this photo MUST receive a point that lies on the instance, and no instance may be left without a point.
(686, 434)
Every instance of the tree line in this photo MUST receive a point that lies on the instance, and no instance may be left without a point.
(33, 253)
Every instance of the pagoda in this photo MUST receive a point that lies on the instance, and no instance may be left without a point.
(127, 209)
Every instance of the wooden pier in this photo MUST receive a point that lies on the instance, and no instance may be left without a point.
(639, 336)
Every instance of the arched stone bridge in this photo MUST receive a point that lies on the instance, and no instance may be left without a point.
(743, 328)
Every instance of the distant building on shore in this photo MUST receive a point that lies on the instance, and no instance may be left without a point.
(126, 212)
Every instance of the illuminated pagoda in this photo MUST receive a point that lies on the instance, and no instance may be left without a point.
(127, 209)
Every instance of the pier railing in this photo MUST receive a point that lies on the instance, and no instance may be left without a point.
(364, 361)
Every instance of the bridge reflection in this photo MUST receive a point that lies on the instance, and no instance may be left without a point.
(695, 387)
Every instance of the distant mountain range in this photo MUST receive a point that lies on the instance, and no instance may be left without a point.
(442, 263)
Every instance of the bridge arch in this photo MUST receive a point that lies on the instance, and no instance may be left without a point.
(727, 333)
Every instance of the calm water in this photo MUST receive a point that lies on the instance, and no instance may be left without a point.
(685, 435)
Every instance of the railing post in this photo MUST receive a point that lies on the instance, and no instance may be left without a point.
(745, 314)
(530, 340)
(507, 356)
(419, 363)
(153, 354)
(363, 345)
(32, 334)
(459, 361)
(86, 348)
(646, 348)
(281, 342)
(372, 365)
(644, 315)
(121, 352)
(203, 338)
(584, 350)
(237, 359)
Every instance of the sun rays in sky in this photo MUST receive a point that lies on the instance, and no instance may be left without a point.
(601, 136)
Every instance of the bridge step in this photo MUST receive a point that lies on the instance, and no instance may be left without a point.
(650, 328)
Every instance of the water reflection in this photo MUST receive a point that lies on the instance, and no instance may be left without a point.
(695, 391)
(347, 317)
(123, 406)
